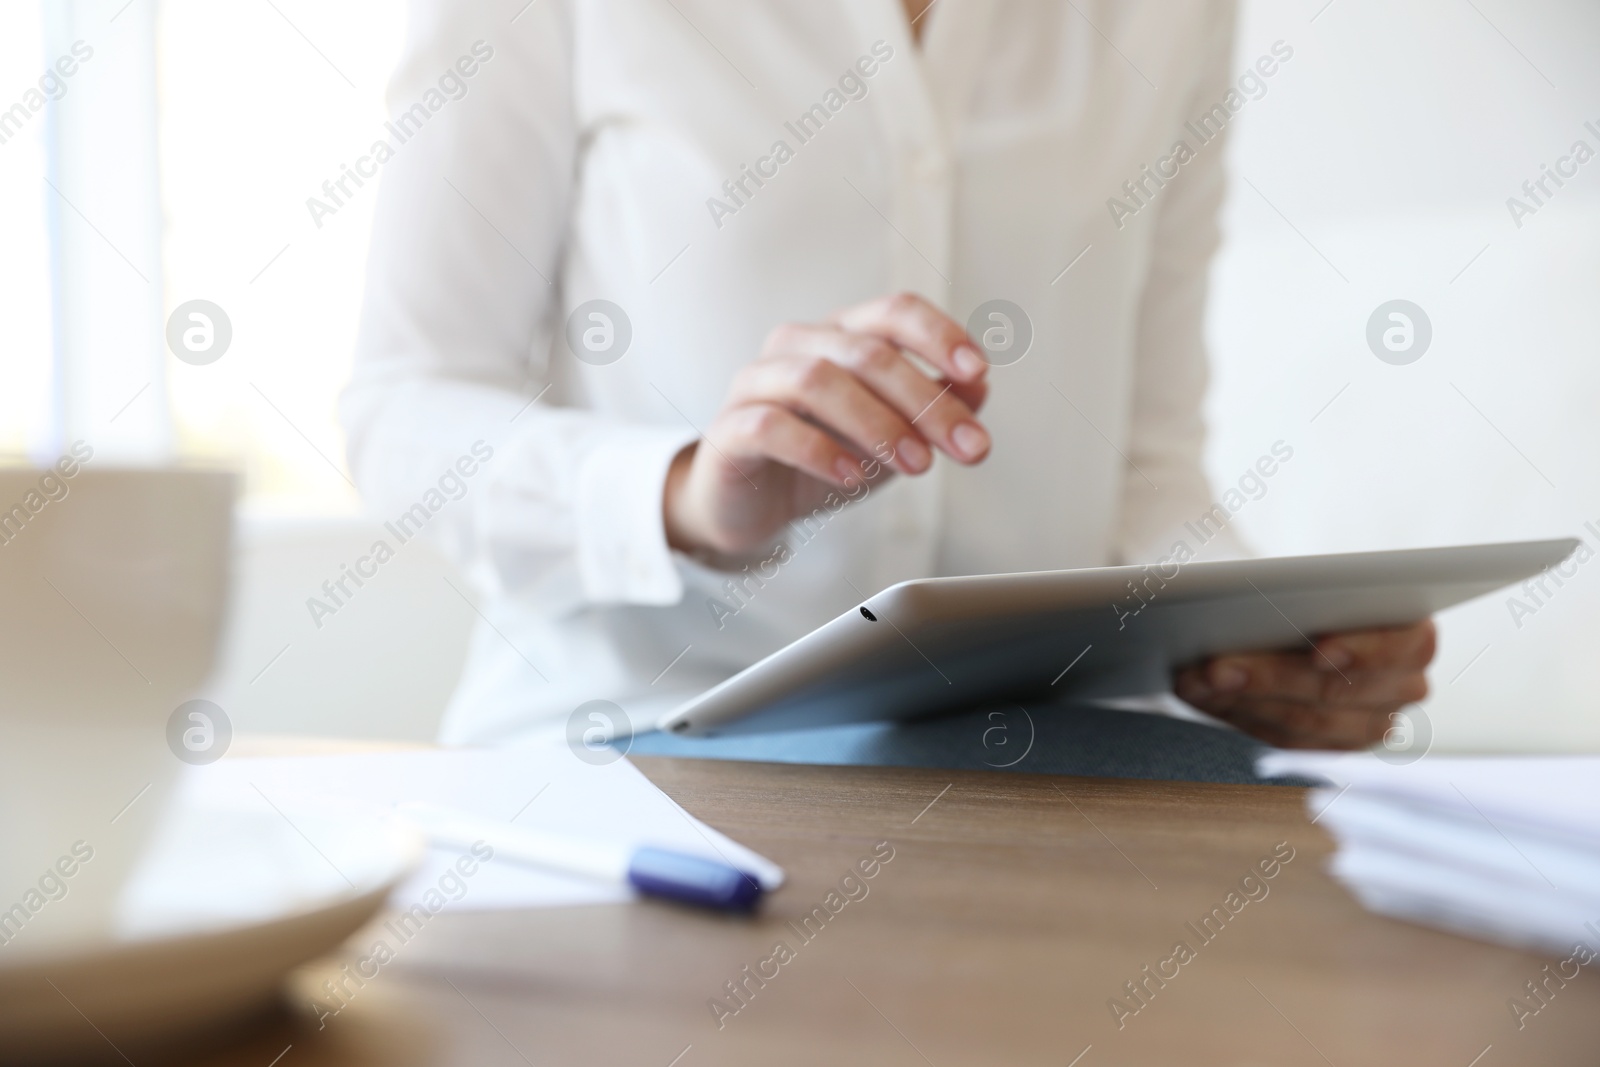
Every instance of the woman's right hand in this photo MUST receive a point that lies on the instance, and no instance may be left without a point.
(822, 399)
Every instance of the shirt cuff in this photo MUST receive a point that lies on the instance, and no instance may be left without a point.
(623, 555)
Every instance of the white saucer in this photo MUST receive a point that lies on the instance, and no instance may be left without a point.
(223, 906)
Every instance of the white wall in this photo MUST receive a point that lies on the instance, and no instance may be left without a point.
(383, 665)
(1391, 142)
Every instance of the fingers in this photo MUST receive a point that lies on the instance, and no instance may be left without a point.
(1298, 700)
(832, 405)
(1290, 723)
(1287, 724)
(764, 431)
(822, 397)
(864, 388)
(1406, 647)
(1303, 677)
(829, 396)
(972, 394)
(916, 325)
(935, 408)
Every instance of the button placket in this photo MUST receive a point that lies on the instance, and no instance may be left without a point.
(920, 235)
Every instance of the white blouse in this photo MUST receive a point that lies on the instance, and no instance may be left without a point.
(709, 169)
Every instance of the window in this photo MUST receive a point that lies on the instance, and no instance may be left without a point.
(27, 410)
(260, 103)
(173, 165)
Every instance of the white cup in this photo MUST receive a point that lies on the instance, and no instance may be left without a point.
(113, 587)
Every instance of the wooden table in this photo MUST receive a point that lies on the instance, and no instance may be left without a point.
(1015, 907)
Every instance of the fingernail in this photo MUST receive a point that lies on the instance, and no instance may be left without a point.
(968, 362)
(847, 471)
(969, 440)
(1339, 657)
(914, 455)
(1228, 676)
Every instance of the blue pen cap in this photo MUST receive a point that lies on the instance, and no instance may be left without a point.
(692, 880)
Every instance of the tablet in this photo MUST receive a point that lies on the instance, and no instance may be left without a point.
(937, 645)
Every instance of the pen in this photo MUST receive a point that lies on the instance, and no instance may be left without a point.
(658, 872)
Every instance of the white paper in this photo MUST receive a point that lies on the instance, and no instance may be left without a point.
(1405, 886)
(1560, 793)
(1502, 848)
(1428, 833)
(542, 787)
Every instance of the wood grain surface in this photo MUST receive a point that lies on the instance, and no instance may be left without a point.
(1012, 912)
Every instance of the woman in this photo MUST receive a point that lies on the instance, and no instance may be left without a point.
(684, 265)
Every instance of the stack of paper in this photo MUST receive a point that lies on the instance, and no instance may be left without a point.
(1501, 848)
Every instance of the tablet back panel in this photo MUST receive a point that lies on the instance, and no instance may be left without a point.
(943, 644)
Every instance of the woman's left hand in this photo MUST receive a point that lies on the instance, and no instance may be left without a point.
(1340, 694)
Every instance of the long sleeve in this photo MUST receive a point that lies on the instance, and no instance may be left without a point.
(1168, 485)
(462, 305)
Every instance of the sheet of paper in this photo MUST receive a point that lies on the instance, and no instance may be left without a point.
(1513, 855)
(540, 787)
(1406, 886)
(1501, 848)
(1558, 793)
